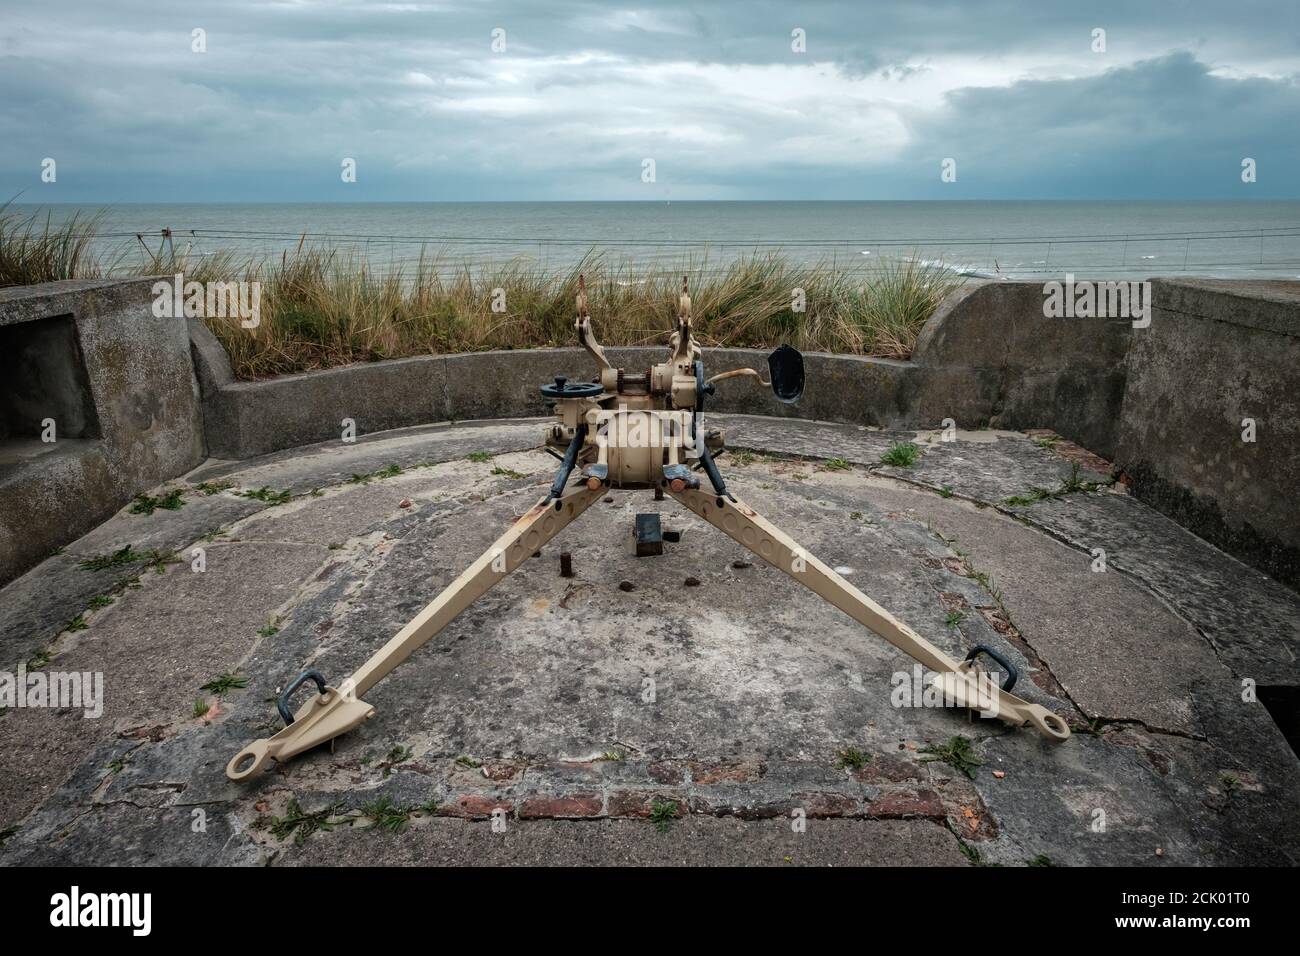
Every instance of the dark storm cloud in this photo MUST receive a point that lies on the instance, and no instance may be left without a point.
(585, 92)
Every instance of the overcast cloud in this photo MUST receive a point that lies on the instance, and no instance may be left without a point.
(584, 92)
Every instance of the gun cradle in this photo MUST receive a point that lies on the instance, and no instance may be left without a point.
(638, 431)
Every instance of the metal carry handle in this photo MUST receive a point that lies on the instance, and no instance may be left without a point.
(282, 702)
(1012, 674)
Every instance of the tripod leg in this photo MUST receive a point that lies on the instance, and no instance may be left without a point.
(737, 520)
(338, 710)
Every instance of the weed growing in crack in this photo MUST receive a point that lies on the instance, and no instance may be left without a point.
(1071, 484)
(158, 559)
(147, 504)
(297, 824)
(901, 454)
(662, 813)
(225, 683)
(851, 758)
(957, 753)
(120, 558)
(392, 471)
(208, 488)
(387, 815)
(268, 495)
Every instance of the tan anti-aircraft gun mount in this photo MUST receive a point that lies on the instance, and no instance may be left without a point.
(639, 431)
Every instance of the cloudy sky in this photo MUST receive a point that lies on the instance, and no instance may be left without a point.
(583, 93)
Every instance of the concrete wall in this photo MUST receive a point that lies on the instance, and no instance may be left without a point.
(125, 406)
(987, 357)
(1216, 353)
(990, 353)
(1165, 402)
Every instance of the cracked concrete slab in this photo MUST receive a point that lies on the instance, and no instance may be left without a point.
(1252, 621)
(699, 686)
(1095, 629)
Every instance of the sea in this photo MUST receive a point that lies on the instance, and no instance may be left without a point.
(992, 239)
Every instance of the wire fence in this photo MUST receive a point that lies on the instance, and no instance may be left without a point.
(1271, 251)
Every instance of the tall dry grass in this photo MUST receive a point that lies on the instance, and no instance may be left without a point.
(322, 308)
(32, 250)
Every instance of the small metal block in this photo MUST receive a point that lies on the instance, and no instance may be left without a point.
(649, 535)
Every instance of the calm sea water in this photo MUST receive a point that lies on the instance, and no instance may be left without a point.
(1015, 239)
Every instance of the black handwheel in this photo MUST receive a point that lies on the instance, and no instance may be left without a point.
(562, 388)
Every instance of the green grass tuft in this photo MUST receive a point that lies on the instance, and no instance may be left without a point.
(901, 454)
(851, 758)
(388, 816)
(269, 495)
(225, 683)
(120, 558)
(662, 814)
(147, 504)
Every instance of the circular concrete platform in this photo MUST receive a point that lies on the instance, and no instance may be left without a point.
(656, 705)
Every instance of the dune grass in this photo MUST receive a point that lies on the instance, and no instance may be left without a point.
(32, 250)
(322, 308)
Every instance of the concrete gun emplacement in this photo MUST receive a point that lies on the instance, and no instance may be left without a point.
(639, 430)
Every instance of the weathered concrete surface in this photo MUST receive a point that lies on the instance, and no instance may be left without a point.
(125, 407)
(534, 702)
(1064, 374)
(1216, 354)
(695, 841)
